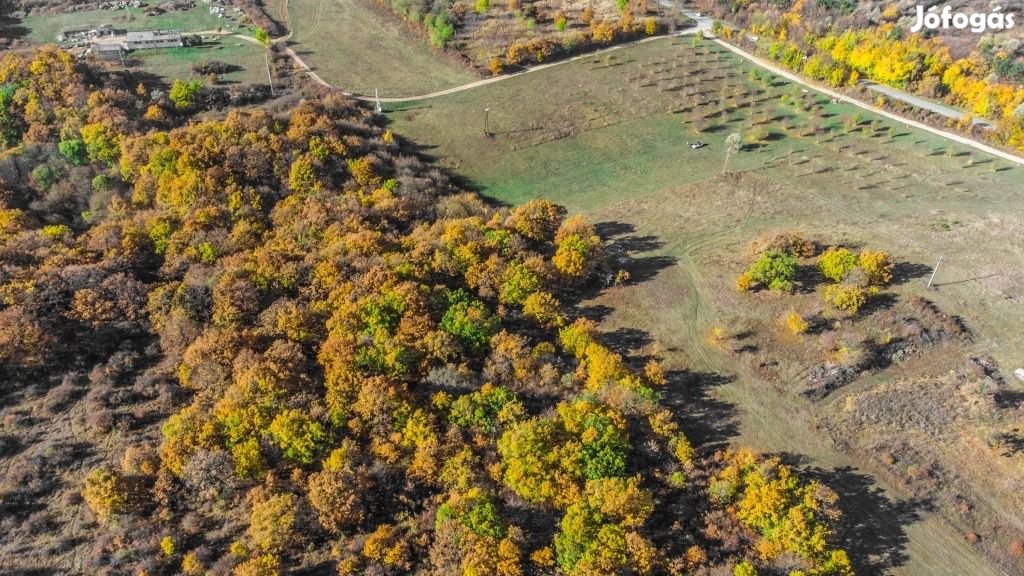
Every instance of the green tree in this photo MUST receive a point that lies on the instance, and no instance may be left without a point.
(440, 29)
(486, 408)
(102, 143)
(9, 120)
(475, 510)
(469, 320)
(597, 534)
(519, 282)
(73, 150)
(183, 93)
(263, 37)
(544, 459)
(299, 437)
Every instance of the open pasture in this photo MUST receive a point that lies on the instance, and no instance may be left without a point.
(353, 46)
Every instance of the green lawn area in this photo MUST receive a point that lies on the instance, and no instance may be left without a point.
(44, 28)
(607, 135)
(172, 63)
(351, 46)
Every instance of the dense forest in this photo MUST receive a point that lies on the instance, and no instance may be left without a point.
(840, 42)
(278, 341)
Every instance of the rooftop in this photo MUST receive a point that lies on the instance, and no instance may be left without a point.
(144, 35)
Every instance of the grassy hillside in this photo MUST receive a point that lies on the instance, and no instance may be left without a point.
(375, 51)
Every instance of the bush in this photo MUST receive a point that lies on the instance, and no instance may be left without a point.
(167, 546)
(602, 32)
(846, 297)
(651, 27)
(561, 22)
(877, 265)
(796, 323)
(207, 67)
(775, 270)
(836, 263)
(44, 176)
(105, 493)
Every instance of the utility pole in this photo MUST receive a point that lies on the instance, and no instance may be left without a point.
(487, 130)
(270, 77)
(376, 97)
(934, 270)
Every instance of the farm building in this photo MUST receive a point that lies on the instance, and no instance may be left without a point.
(107, 51)
(153, 39)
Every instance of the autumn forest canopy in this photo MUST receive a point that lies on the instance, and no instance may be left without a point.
(301, 347)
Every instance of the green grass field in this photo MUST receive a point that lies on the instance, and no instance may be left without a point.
(358, 50)
(172, 63)
(608, 135)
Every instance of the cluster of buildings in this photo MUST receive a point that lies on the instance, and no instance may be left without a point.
(219, 8)
(115, 5)
(74, 37)
(121, 4)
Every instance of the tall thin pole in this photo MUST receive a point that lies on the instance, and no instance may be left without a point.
(934, 270)
(376, 97)
(487, 130)
(270, 78)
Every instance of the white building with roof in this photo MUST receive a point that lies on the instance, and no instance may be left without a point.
(153, 39)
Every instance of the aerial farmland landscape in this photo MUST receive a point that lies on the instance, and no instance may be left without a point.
(511, 287)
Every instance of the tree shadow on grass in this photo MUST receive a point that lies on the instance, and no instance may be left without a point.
(623, 245)
(629, 342)
(708, 422)
(873, 526)
(904, 272)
